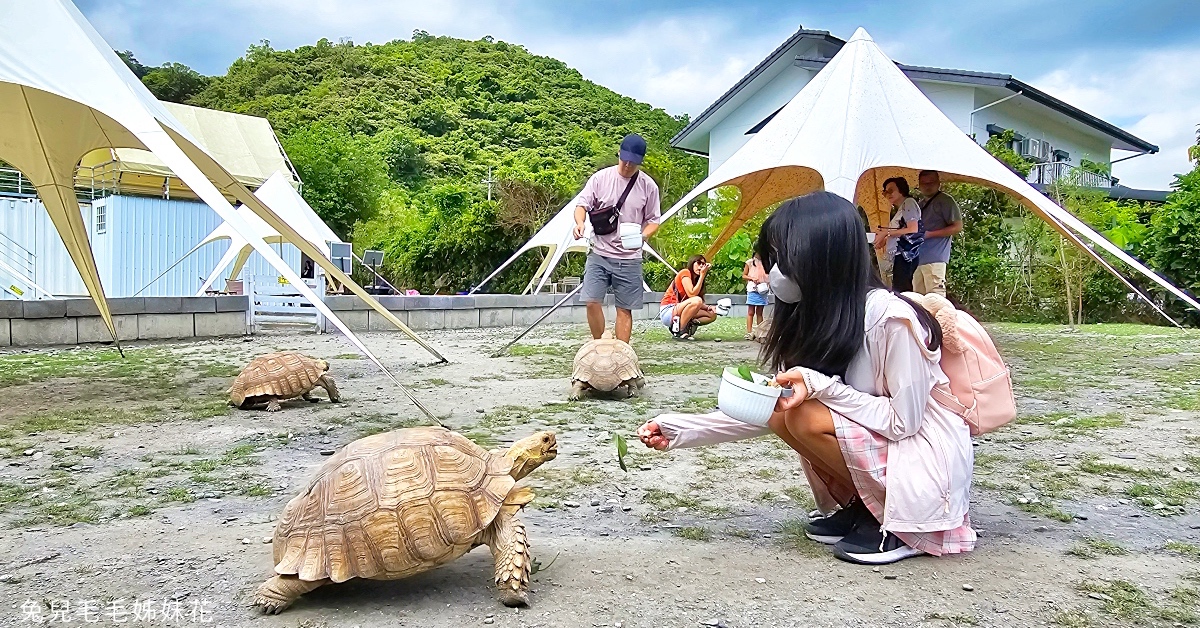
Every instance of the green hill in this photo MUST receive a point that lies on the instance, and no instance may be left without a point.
(393, 143)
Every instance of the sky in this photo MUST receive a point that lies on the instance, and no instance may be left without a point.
(1135, 64)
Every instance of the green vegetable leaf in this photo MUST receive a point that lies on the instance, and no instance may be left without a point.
(622, 450)
(744, 371)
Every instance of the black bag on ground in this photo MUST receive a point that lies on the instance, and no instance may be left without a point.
(606, 218)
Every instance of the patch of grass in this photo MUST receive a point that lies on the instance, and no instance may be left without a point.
(1044, 509)
(693, 533)
(140, 510)
(220, 369)
(1072, 619)
(80, 420)
(1189, 550)
(149, 365)
(802, 496)
(714, 462)
(179, 494)
(1123, 599)
(767, 496)
(186, 450)
(1095, 547)
(257, 490)
(1091, 465)
(347, 356)
(1176, 493)
(484, 439)
(697, 404)
(792, 535)
(767, 474)
(952, 619)
(987, 461)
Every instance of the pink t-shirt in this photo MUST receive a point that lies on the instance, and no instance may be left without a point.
(641, 206)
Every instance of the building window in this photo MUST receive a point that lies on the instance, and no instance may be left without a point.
(101, 219)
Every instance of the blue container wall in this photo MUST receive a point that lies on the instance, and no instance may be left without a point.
(143, 236)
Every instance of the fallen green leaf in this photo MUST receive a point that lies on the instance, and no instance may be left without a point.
(622, 450)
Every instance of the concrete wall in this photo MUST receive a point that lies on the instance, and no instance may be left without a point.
(487, 310)
(76, 321)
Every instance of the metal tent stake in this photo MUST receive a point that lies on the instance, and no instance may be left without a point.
(499, 352)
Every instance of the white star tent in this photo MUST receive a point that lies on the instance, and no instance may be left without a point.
(65, 93)
(281, 197)
(861, 121)
(558, 236)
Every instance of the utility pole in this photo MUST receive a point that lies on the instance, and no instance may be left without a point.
(488, 181)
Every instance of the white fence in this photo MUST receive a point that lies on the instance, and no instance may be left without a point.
(276, 304)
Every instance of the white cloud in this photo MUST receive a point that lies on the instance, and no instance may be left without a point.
(1155, 95)
(681, 65)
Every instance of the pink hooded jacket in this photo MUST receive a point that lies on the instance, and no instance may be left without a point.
(930, 458)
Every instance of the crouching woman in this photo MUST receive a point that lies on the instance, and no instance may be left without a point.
(889, 466)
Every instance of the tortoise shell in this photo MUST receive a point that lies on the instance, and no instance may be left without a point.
(280, 375)
(606, 363)
(391, 505)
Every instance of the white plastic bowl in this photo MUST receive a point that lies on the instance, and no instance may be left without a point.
(748, 402)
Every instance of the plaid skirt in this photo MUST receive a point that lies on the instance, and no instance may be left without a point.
(866, 454)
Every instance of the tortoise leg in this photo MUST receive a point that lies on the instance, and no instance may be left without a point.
(309, 398)
(326, 382)
(279, 592)
(640, 382)
(577, 390)
(629, 390)
(273, 405)
(510, 548)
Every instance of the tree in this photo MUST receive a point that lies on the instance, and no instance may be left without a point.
(344, 177)
(174, 82)
(1175, 232)
(131, 61)
(1194, 149)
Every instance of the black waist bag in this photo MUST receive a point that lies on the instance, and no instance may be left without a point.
(606, 218)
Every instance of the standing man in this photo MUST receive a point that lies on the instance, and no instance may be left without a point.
(617, 200)
(942, 219)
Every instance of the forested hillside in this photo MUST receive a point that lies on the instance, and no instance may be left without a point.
(394, 142)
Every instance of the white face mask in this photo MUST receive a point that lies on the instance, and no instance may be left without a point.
(784, 288)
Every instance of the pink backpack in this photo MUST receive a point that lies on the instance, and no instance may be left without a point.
(980, 388)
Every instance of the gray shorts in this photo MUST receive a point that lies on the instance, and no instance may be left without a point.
(624, 276)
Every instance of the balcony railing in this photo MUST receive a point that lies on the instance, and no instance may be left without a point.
(90, 183)
(1048, 173)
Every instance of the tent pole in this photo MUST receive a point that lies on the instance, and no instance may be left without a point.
(550, 311)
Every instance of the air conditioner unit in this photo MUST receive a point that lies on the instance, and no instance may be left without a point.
(1035, 149)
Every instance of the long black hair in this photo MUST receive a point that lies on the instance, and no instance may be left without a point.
(691, 268)
(817, 242)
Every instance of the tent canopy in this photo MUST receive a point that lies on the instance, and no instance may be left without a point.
(558, 236)
(65, 93)
(279, 195)
(245, 145)
(859, 122)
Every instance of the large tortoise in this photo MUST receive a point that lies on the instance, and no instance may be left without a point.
(275, 377)
(605, 365)
(402, 502)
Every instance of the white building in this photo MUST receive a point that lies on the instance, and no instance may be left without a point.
(1049, 131)
(140, 217)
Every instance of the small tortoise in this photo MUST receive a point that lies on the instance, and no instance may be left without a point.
(275, 377)
(605, 365)
(399, 503)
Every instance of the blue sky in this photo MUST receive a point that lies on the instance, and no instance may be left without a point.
(1135, 64)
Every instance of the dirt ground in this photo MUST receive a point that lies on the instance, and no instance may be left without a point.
(127, 485)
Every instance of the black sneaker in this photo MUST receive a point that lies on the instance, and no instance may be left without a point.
(692, 328)
(831, 529)
(867, 545)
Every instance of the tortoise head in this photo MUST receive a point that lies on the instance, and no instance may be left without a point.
(531, 452)
(323, 365)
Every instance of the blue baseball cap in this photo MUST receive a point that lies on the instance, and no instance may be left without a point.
(633, 149)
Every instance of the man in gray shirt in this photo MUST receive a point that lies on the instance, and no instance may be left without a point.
(942, 219)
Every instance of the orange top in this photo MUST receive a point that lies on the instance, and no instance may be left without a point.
(675, 290)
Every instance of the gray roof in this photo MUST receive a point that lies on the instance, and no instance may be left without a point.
(989, 79)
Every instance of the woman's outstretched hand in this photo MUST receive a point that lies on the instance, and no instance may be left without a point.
(652, 436)
(795, 381)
